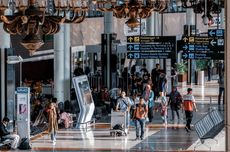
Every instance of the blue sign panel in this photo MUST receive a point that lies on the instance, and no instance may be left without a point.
(216, 32)
(22, 90)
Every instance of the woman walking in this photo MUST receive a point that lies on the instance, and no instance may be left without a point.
(53, 125)
(148, 96)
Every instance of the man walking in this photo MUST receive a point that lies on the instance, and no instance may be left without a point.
(188, 105)
(140, 115)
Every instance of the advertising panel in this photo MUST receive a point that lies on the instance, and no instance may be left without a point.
(23, 112)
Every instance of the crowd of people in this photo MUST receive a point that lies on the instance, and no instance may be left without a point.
(147, 96)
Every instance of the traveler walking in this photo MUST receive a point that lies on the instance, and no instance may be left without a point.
(189, 105)
(52, 125)
(175, 102)
(148, 96)
(140, 114)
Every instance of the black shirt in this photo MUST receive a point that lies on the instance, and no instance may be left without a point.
(3, 130)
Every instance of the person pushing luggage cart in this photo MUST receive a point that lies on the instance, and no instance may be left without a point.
(121, 114)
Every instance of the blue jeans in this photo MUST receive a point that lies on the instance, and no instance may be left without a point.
(221, 91)
(53, 135)
(140, 123)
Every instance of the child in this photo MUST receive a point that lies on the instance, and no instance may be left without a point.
(163, 104)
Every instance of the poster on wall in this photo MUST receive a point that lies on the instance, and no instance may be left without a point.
(85, 100)
(23, 111)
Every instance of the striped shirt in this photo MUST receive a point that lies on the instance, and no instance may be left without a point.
(188, 100)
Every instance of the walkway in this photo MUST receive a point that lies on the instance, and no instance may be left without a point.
(157, 138)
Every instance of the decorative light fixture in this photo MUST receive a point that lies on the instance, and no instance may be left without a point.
(207, 7)
(39, 17)
(132, 9)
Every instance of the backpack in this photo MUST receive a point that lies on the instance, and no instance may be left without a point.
(118, 127)
(134, 112)
(25, 144)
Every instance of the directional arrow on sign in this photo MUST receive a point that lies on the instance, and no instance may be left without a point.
(213, 42)
(130, 47)
(185, 47)
(130, 39)
(212, 33)
(130, 55)
(185, 56)
(185, 39)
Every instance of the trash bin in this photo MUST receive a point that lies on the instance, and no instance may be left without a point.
(200, 77)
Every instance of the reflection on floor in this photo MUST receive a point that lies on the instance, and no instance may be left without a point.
(157, 138)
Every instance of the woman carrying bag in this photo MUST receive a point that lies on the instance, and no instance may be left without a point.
(52, 122)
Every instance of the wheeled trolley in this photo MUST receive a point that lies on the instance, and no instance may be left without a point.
(119, 123)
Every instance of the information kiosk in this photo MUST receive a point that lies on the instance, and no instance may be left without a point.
(85, 100)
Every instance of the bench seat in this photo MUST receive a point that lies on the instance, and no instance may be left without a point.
(209, 126)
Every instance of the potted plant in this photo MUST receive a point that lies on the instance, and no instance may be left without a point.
(181, 68)
(200, 67)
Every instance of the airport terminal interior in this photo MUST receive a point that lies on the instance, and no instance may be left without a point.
(114, 75)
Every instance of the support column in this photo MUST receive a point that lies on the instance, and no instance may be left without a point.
(107, 37)
(108, 23)
(190, 16)
(150, 32)
(67, 60)
(4, 44)
(157, 32)
(222, 18)
(190, 22)
(227, 74)
(59, 77)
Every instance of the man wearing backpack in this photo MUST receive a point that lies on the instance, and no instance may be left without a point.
(140, 115)
(5, 134)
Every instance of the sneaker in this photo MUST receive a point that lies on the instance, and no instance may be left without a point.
(137, 138)
(54, 142)
(186, 128)
(190, 129)
(142, 138)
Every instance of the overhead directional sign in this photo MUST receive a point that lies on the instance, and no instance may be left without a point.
(199, 44)
(208, 56)
(216, 32)
(203, 47)
(151, 47)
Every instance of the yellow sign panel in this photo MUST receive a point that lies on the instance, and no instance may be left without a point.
(191, 39)
(137, 39)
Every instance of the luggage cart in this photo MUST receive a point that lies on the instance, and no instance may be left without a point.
(119, 118)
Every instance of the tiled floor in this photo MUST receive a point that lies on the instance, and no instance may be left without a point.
(157, 138)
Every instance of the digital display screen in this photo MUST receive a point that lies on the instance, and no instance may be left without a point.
(85, 92)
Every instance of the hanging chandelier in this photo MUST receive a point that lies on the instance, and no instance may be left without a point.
(34, 18)
(132, 9)
(207, 7)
